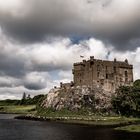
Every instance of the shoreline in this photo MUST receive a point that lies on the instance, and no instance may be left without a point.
(67, 120)
(12, 113)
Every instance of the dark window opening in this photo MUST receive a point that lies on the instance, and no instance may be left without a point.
(91, 63)
(114, 69)
(102, 83)
(98, 74)
(106, 76)
(126, 74)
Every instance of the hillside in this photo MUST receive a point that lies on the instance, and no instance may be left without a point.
(77, 98)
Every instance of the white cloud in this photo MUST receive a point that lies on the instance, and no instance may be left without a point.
(44, 65)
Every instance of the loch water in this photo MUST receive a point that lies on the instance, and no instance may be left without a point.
(12, 129)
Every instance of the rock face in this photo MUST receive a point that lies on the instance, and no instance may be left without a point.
(76, 98)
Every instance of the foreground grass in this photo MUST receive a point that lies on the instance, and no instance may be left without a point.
(65, 116)
(130, 128)
(83, 117)
(18, 109)
(87, 120)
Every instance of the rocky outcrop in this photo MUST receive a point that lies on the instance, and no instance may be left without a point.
(76, 98)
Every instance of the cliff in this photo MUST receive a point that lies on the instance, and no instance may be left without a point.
(76, 98)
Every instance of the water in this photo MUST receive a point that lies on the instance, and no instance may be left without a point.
(11, 129)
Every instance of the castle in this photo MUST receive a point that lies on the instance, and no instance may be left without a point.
(105, 74)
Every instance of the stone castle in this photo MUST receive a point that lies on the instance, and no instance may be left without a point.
(104, 74)
(94, 82)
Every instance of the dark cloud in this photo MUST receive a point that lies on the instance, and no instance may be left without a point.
(11, 66)
(36, 86)
(103, 19)
(40, 40)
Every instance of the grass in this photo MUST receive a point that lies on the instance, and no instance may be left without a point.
(83, 117)
(130, 128)
(18, 109)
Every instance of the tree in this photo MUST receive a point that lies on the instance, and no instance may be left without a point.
(23, 100)
(29, 96)
(24, 96)
(137, 83)
(127, 101)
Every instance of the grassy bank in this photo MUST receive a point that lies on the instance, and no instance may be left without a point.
(83, 117)
(130, 128)
(105, 121)
(18, 109)
(86, 120)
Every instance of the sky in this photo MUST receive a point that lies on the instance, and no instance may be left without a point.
(41, 39)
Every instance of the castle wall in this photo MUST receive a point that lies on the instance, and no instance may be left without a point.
(105, 74)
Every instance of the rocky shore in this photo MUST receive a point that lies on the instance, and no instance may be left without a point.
(101, 122)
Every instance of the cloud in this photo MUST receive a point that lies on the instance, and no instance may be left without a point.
(35, 81)
(112, 21)
(46, 64)
(41, 66)
(40, 40)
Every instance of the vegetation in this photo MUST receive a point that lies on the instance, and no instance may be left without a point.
(9, 102)
(18, 109)
(130, 128)
(50, 112)
(126, 101)
(24, 106)
(27, 100)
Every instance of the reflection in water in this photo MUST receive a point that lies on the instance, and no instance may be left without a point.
(11, 129)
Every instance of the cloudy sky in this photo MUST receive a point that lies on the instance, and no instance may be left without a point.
(41, 39)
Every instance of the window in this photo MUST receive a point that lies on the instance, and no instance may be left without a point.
(114, 69)
(126, 74)
(98, 74)
(91, 63)
(98, 68)
(106, 76)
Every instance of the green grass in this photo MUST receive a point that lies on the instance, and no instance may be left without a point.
(18, 109)
(130, 128)
(83, 117)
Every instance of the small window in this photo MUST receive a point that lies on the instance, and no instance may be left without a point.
(91, 63)
(126, 74)
(106, 76)
(102, 83)
(98, 74)
(114, 69)
(98, 68)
